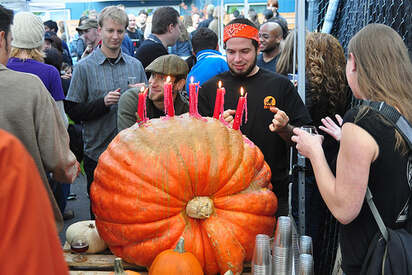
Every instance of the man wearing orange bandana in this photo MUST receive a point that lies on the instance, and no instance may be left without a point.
(270, 96)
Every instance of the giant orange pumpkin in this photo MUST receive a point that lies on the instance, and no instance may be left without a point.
(183, 176)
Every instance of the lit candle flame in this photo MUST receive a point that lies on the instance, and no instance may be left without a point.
(168, 79)
(142, 89)
(242, 92)
(191, 79)
(220, 84)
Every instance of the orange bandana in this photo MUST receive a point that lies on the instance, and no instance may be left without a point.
(240, 30)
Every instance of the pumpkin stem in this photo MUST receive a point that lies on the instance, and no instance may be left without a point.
(199, 208)
(118, 267)
(180, 247)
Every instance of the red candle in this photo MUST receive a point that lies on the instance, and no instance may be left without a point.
(220, 93)
(239, 110)
(168, 98)
(141, 107)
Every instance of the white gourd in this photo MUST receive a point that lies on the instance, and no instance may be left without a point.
(89, 230)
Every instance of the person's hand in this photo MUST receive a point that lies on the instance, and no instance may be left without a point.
(74, 172)
(280, 119)
(87, 51)
(307, 144)
(66, 76)
(331, 127)
(228, 116)
(112, 97)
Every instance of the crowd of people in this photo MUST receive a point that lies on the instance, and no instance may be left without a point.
(56, 114)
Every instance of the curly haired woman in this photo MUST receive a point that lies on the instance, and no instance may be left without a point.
(327, 93)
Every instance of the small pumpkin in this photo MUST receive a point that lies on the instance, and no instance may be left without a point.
(89, 230)
(176, 261)
(119, 270)
(183, 176)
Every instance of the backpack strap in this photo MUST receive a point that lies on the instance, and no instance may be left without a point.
(395, 118)
(405, 129)
(375, 213)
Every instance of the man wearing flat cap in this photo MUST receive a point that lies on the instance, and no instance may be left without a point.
(267, 92)
(162, 67)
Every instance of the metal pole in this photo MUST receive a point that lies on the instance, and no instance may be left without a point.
(330, 16)
(245, 8)
(301, 89)
(313, 11)
(221, 25)
(301, 48)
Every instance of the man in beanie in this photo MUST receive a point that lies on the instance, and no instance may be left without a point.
(163, 66)
(267, 92)
(96, 85)
(30, 113)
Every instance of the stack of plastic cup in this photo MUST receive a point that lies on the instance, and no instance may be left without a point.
(305, 264)
(262, 260)
(295, 247)
(282, 247)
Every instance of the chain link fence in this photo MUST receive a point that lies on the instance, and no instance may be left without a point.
(353, 15)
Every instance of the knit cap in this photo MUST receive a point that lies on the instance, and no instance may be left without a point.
(27, 31)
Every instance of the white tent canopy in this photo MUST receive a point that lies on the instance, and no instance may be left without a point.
(40, 5)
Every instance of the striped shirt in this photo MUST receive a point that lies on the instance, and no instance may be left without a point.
(93, 78)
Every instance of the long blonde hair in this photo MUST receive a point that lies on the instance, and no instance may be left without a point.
(285, 62)
(384, 70)
(184, 35)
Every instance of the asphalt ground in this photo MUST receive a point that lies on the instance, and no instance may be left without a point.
(80, 205)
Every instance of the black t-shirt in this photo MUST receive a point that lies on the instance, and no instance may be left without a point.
(389, 187)
(262, 87)
(270, 66)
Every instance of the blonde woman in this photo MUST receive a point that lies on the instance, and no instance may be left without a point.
(371, 154)
(27, 56)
